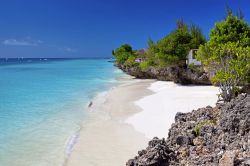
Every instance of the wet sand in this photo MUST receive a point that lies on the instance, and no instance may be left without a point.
(105, 138)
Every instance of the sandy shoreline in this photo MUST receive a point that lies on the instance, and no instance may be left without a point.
(105, 139)
(160, 108)
(122, 120)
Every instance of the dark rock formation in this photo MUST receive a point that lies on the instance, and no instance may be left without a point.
(157, 153)
(246, 89)
(207, 136)
(178, 74)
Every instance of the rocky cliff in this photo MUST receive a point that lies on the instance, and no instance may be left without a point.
(178, 74)
(207, 136)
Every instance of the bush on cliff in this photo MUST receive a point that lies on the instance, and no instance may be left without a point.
(234, 66)
(130, 62)
(172, 49)
(169, 51)
(197, 37)
(123, 53)
(228, 52)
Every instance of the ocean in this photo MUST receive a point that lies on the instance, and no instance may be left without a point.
(43, 104)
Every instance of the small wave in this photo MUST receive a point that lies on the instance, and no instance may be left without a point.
(119, 71)
(70, 145)
(111, 80)
(106, 80)
(100, 98)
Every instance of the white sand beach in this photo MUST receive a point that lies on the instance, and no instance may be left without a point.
(122, 120)
(160, 108)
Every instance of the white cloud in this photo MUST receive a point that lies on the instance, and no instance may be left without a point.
(67, 49)
(26, 42)
(29, 42)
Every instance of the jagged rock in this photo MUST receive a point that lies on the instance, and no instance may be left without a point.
(189, 76)
(245, 162)
(198, 141)
(207, 136)
(184, 151)
(246, 89)
(156, 154)
(182, 140)
(227, 159)
(178, 74)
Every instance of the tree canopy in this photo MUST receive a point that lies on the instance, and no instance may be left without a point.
(174, 47)
(228, 52)
(231, 29)
(170, 50)
(123, 53)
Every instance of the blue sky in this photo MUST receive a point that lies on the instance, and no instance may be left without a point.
(92, 28)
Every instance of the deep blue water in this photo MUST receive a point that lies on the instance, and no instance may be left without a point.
(42, 104)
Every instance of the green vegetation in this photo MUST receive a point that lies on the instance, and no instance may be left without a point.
(170, 50)
(197, 128)
(197, 38)
(198, 69)
(173, 49)
(130, 62)
(123, 53)
(228, 52)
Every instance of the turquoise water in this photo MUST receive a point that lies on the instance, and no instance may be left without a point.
(42, 105)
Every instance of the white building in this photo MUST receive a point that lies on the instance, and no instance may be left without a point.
(191, 58)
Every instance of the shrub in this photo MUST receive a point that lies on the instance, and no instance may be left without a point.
(228, 52)
(123, 53)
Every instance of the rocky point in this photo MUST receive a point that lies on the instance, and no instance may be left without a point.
(218, 136)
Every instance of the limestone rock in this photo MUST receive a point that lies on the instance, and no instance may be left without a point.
(156, 154)
(223, 138)
(227, 159)
(178, 74)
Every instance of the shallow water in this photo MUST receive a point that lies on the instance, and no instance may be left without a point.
(42, 105)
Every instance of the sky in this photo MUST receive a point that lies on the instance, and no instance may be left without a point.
(92, 28)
